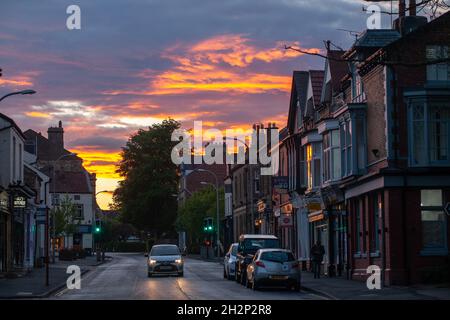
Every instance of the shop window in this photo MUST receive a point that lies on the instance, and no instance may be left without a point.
(429, 134)
(357, 234)
(376, 214)
(434, 224)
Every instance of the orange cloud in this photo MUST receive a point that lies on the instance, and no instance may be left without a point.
(218, 64)
(37, 114)
(101, 163)
(20, 82)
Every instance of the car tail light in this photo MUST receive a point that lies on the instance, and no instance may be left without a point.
(260, 264)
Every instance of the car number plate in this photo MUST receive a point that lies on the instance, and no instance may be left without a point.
(278, 277)
(165, 268)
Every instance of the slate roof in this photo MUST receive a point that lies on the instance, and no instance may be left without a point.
(377, 38)
(299, 91)
(44, 152)
(338, 69)
(317, 83)
(71, 182)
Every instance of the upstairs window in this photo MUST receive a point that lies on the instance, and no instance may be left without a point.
(438, 71)
(331, 156)
(346, 147)
(429, 133)
(313, 170)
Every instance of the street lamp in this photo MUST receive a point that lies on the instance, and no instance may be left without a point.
(23, 92)
(217, 202)
(54, 193)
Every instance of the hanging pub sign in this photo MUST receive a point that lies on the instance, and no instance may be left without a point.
(280, 184)
(261, 205)
(19, 202)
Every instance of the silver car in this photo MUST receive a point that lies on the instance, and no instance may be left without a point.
(274, 267)
(165, 259)
(229, 262)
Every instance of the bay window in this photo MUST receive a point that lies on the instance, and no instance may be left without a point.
(313, 170)
(331, 156)
(429, 133)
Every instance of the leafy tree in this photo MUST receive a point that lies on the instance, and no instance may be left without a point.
(200, 205)
(145, 195)
(66, 219)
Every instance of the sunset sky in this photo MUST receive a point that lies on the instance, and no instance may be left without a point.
(136, 62)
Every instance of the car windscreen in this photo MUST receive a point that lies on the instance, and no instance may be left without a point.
(165, 251)
(253, 245)
(277, 256)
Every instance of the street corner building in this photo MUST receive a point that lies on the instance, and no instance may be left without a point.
(365, 159)
(35, 173)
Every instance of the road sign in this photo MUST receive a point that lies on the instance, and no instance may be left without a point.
(447, 208)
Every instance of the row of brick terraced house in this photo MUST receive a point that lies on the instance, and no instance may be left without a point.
(366, 156)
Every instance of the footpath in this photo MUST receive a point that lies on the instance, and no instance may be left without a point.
(31, 284)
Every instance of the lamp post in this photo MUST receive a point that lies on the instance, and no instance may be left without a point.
(23, 92)
(217, 202)
(54, 193)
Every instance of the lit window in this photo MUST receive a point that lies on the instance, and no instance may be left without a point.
(434, 224)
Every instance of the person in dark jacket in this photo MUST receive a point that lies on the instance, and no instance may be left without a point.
(317, 252)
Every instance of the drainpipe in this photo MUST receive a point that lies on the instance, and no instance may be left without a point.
(383, 239)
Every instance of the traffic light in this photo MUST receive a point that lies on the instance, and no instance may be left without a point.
(208, 225)
(98, 226)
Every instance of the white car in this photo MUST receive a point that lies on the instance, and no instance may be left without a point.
(229, 262)
(165, 259)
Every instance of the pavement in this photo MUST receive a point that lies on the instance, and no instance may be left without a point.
(125, 277)
(32, 284)
(342, 289)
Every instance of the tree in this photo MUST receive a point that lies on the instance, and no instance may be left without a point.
(145, 195)
(200, 205)
(66, 218)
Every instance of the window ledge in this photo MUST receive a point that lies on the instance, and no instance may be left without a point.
(360, 255)
(434, 252)
(375, 254)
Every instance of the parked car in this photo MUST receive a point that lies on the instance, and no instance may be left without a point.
(165, 259)
(274, 267)
(247, 247)
(229, 262)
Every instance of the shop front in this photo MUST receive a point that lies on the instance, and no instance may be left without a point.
(4, 212)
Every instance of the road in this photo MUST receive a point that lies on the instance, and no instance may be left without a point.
(125, 277)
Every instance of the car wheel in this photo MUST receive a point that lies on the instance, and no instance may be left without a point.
(149, 274)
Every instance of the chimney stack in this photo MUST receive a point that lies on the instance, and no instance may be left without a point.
(412, 8)
(401, 8)
(56, 140)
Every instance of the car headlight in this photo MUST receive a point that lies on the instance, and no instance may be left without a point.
(151, 261)
(178, 261)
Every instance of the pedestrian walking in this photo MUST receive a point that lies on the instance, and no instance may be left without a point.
(317, 252)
